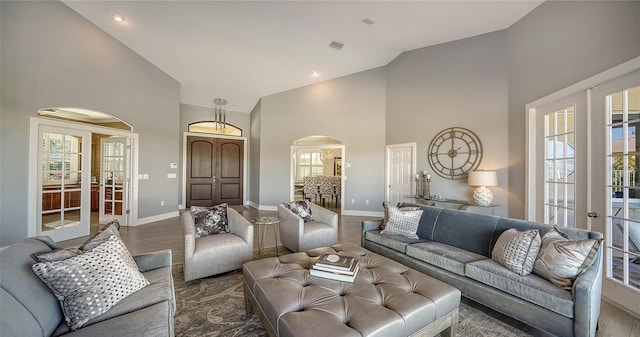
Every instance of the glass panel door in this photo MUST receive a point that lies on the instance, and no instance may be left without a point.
(64, 206)
(114, 192)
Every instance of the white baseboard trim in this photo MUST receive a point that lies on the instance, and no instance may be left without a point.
(159, 217)
(363, 213)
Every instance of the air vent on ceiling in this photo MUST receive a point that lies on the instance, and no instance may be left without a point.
(336, 45)
(367, 21)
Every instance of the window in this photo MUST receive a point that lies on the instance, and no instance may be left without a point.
(309, 164)
(560, 164)
(60, 158)
(215, 128)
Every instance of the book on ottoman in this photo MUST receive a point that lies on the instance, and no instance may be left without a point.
(335, 267)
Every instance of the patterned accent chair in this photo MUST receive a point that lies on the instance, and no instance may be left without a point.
(309, 188)
(300, 236)
(218, 253)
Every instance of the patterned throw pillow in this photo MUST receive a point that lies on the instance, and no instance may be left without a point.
(104, 232)
(517, 251)
(300, 208)
(386, 204)
(90, 284)
(210, 220)
(402, 222)
(560, 260)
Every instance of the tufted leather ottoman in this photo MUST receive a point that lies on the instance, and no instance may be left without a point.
(387, 299)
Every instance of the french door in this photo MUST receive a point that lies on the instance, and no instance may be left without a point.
(115, 180)
(63, 202)
(401, 167)
(585, 169)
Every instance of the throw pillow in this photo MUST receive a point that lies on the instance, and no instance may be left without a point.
(210, 220)
(59, 254)
(402, 222)
(90, 284)
(517, 251)
(561, 260)
(386, 204)
(300, 208)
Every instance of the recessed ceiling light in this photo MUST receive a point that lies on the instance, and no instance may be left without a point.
(336, 45)
(118, 18)
(315, 74)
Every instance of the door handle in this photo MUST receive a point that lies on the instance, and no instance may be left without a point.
(214, 179)
(592, 215)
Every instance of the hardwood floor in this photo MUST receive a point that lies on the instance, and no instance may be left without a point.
(167, 234)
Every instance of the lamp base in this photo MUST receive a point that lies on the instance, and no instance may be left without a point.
(483, 196)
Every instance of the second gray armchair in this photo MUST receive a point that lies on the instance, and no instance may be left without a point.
(297, 235)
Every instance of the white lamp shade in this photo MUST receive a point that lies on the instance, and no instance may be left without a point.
(483, 178)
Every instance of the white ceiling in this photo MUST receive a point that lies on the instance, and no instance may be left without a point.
(243, 50)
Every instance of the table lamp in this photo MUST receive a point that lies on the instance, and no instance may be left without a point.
(482, 195)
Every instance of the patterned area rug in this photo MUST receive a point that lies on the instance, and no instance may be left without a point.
(214, 306)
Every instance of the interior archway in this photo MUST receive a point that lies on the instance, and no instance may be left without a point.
(321, 157)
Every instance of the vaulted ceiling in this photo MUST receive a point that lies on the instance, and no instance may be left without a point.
(243, 50)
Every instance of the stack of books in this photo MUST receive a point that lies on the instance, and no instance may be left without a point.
(336, 267)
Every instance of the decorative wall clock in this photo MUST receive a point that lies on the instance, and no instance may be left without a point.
(454, 152)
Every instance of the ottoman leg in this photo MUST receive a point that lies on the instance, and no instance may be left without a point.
(453, 329)
(248, 307)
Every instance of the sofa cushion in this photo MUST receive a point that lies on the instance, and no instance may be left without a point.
(404, 223)
(210, 220)
(395, 242)
(560, 260)
(90, 284)
(466, 230)
(532, 288)
(59, 254)
(301, 208)
(444, 256)
(517, 251)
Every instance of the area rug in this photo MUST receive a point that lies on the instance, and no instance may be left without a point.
(214, 306)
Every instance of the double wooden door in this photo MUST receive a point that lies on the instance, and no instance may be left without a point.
(215, 169)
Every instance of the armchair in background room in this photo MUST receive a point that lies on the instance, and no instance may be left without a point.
(214, 254)
(298, 235)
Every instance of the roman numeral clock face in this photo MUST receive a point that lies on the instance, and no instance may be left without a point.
(454, 152)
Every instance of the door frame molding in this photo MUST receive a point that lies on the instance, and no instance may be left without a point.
(387, 170)
(183, 201)
(34, 127)
(530, 128)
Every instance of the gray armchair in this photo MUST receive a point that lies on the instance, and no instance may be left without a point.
(298, 235)
(219, 253)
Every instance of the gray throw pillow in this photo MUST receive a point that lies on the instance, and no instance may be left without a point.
(210, 220)
(402, 222)
(88, 285)
(517, 251)
(386, 204)
(561, 260)
(300, 208)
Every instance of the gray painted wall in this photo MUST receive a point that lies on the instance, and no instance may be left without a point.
(51, 56)
(193, 113)
(349, 108)
(558, 44)
(462, 84)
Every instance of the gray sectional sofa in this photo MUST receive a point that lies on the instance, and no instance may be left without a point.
(28, 308)
(455, 247)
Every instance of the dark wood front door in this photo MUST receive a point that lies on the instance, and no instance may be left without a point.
(214, 171)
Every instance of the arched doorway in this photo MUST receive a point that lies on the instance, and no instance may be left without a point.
(319, 157)
(80, 163)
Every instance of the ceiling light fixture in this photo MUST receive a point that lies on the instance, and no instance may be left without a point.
(315, 74)
(336, 45)
(367, 21)
(118, 18)
(220, 113)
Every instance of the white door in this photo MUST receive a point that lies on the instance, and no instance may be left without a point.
(401, 168)
(616, 184)
(64, 200)
(114, 180)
